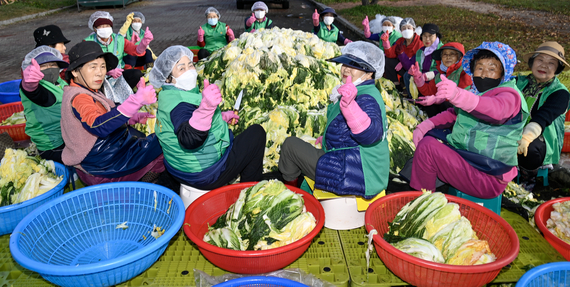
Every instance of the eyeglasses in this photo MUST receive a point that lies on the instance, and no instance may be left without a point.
(450, 55)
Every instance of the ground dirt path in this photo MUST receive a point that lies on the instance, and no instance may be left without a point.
(554, 23)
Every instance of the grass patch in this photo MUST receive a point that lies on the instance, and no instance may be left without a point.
(553, 6)
(466, 27)
(28, 7)
(328, 2)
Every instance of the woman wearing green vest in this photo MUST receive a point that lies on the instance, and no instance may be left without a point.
(354, 159)
(258, 19)
(448, 62)
(199, 149)
(389, 34)
(132, 31)
(547, 99)
(431, 38)
(41, 90)
(101, 23)
(325, 29)
(213, 35)
(479, 155)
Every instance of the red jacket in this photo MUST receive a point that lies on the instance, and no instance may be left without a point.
(400, 47)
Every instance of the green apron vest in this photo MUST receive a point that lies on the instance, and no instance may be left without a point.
(394, 36)
(43, 123)
(455, 76)
(554, 133)
(215, 37)
(499, 142)
(420, 57)
(129, 36)
(259, 25)
(376, 157)
(196, 160)
(326, 35)
(117, 46)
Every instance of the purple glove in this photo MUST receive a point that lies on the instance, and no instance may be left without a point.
(366, 25)
(230, 34)
(202, 117)
(419, 78)
(356, 119)
(140, 118)
(421, 130)
(32, 76)
(141, 48)
(398, 67)
(460, 98)
(250, 20)
(230, 117)
(145, 95)
(201, 34)
(316, 18)
(346, 41)
(319, 140)
(115, 73)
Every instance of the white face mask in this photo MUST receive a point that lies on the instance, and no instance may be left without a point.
(408, 34)
(328, 20)
(137, 26)
(259, 14)
(213, 21)
(387, 29)
(104, 33)
(187, 81)
(359, 80)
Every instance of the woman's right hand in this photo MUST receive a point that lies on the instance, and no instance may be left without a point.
(32, 76)
(366, 25)
(316, 18)
(201, 34)
(211, 96)
(250, 20)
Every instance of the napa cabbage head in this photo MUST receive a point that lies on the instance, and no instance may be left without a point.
(452, 236)
(447, 215)
(420, 248)
(471, 252)
(225, 238)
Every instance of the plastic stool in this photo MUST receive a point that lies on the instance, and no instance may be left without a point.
(544, 173)
(189, 194)
(494, 204)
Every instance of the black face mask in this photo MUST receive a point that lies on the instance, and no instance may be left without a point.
(485, 84)
(51, 75)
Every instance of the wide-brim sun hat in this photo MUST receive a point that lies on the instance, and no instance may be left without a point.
(363, 56)
(550, 48)
(88, 51)
(49, 35)
(436, 55)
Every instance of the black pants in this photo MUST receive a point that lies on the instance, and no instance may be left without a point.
(203, 53)
(135, 61)
(535, 155)
(245, 158)
(390, 72)
(54, 154)
(435, 109)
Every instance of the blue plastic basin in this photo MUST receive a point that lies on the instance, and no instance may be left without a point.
(10, 91)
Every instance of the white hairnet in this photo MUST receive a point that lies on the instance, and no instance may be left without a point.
(96, 15)
(407, 21)
(368, 52)
(212, 9)
(165, 62)
(259, 5)
(139, 15)
(38, 51)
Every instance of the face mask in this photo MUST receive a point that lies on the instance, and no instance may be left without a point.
(335, 96)
(137, 26)
(443, 67)
(213, 21)
(104, 33)
(328, 20)
(51, 75)
(359, 80)
(407, 34)
(485, 84)
(187, 81)
(387, 29)
(259, 14)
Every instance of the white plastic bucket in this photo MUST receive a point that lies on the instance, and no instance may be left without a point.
(189, 194)
(342, 213)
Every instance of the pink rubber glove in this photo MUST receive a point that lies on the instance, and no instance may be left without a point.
(145, 95)
(316, 18)
(32, 76)
(346, 41)
(230, 34)
(115, 73)
(421, 130)
(419, 78)
(366, 25)
(460, 98)
(319, 140)
(202, 117)
(430, 100)
(230, 117)
(250, 20)
(385, 38)
(201, 34)
(140, 118)
(398, 67)
(148, 37)
(356, 119)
